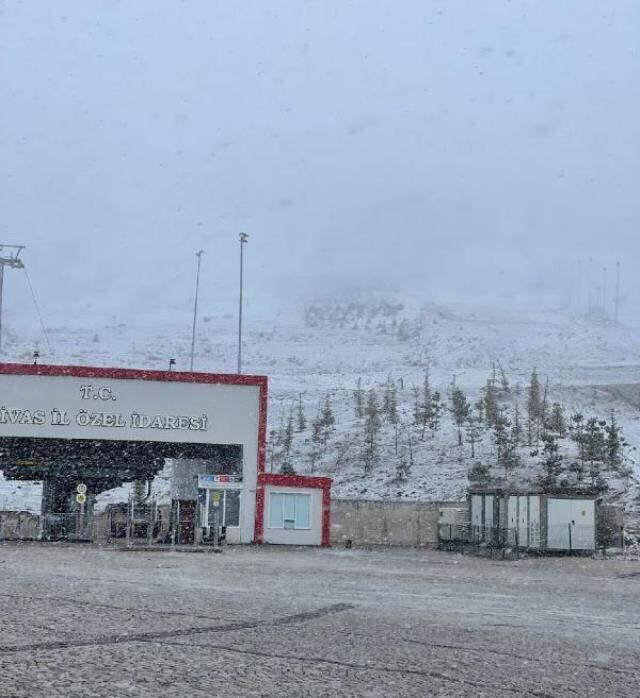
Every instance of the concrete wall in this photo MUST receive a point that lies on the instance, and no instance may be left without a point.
(386, 522)
(19, 525)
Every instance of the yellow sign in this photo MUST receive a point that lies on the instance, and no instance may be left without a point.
(215, 499)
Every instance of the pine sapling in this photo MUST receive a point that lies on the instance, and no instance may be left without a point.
(301, 418)
(461, 409)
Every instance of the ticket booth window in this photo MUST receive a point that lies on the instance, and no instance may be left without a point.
(224, 505)
(291, 511)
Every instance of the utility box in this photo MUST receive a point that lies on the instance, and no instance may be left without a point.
(452, 522)
(563, 519)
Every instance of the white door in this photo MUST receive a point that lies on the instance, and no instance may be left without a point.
(523, 521)
(512, 519)
(502, 512)
(558, 520)
(570, 524)
(583, 524)
(488, 512)
(476, 510)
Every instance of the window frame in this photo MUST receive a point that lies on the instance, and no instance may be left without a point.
(295, 495)
(223, 508)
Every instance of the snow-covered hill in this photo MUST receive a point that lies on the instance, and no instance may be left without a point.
(323, 350)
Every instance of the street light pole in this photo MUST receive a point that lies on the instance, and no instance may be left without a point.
(244, 238)
(9, 257)
(195, 309)
(615, 317)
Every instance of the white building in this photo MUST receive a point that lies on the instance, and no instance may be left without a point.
(83, 431)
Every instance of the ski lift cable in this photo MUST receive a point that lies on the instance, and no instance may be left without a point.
(37, 306)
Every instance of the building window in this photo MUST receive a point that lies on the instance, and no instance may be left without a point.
(232, 507)
(291, 511)
(224, 505)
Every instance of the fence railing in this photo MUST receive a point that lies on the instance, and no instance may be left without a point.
(19, 525)
(562, 537)
(68, 526)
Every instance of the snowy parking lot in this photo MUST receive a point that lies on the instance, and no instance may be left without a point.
(84, 621)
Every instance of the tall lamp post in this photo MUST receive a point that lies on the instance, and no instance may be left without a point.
(9, 257)
(244, 238)
(195, 309)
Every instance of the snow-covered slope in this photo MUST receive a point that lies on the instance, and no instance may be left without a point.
(325, 350)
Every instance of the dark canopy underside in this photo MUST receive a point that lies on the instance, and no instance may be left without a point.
(106, 463)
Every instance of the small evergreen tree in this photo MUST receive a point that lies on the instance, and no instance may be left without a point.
(490, 400)
(557, 421)
(594, 447)
(390, 402)
(534, 407)
(358, 398)
(479, 473)
(577, 434)
(516, 427)
(287, 437)
(614, 443)
(461, 409)
(372, 424)
(435, 413)
(273, 435)
(301, 424)
(506, 446)
(479, 407)
(327, 421)
(504, 381)
(287, 469)
(552, 460)
(426, 407)
(544, 406)
(500, 436)
(417, 412)
(403, 467)
(534, 399)
(314, 454)
(316, 428)
(473, 432)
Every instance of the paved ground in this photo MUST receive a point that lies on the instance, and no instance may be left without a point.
(81, 621)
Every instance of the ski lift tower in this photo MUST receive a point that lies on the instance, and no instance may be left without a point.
(9, 257)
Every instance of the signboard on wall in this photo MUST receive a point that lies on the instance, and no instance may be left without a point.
(216, 481)
(129, 409)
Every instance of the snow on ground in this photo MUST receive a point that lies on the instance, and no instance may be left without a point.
(91, 621)
(591, 365)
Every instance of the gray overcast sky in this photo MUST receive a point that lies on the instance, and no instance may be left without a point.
(449, 145)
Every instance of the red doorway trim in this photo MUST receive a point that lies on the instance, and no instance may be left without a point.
(305, 481)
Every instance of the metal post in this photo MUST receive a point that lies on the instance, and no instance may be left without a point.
(128, 527)
(9, 257)
(243, 240)
(617, 299)
(1, 291)
(589, 281)
(195, 309)
(570, 540)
